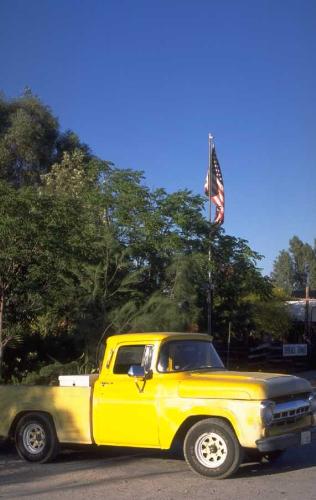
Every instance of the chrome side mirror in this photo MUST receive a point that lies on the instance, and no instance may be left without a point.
(136, 371)
(139, 372)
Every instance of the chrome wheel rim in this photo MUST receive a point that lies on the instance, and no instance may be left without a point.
(211, 450)
(34, 438)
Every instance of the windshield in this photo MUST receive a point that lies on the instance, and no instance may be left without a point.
(187, 355)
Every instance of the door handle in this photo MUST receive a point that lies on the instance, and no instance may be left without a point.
(103, 384)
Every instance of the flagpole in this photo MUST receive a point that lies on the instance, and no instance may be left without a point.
(210, 284)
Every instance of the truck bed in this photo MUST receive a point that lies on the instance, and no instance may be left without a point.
(70, 408)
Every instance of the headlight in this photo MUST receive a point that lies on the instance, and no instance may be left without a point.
(267, 408)
(312, 402)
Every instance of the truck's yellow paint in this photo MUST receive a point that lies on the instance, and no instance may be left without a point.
(68, 406)
(127, 411)
(124, 415)
(239, 385)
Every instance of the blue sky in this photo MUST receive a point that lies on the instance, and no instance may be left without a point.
(143, 82)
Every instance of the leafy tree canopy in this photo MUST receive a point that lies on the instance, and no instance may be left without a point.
(292, 267)
(30, 140)
(87, 250)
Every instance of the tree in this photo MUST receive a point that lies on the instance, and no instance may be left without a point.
(87, 249)
(31, 141)
(28, 133)
(16, 254)
(42, 247)
(271, 315)
(148, 246)
(292, 265)
(283, 272)
(235, 275)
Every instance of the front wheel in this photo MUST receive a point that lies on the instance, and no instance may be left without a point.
(35, 438)
(212, 449)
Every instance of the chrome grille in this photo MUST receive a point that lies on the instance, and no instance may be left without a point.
(292, 397)
(290, 411)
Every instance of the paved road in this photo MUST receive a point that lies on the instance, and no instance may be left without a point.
(129, 474)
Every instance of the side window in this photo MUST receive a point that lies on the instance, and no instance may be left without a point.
(127, 356)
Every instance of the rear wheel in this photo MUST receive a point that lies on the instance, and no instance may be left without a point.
(212, 449)
(35, 438)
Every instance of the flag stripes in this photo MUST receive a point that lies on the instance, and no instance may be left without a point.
(217, 184)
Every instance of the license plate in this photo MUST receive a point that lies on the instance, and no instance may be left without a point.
(306, 437)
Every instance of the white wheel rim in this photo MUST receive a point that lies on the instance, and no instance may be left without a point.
(211, 450)
(34, 438)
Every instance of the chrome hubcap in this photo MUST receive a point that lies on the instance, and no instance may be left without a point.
(211, 450)
(34, 438)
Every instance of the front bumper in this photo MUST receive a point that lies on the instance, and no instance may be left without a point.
(290, 440)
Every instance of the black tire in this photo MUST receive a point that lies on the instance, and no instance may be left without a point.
(35, 438)
(212, 449)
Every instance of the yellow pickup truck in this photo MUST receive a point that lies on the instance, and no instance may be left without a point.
(158, 388)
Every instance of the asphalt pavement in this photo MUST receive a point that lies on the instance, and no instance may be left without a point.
(119, 474)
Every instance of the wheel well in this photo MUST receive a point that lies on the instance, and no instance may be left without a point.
(18, 417)
(189, 422)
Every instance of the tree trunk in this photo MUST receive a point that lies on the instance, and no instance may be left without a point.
(1, 330)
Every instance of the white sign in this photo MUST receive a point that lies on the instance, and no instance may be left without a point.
(294, 349)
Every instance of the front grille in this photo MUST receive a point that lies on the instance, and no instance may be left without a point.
(292, 397)
(290, 411)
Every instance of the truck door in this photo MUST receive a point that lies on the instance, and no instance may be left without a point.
(125, 413)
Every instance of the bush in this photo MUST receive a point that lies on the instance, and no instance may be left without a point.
(48, 375)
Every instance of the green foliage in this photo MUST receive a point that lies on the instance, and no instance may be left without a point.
(30, 140)
(87, 250)
(236, 277)
(48, 375)
(292, 266)
(270, 315)
(174, 306)
(28, 132)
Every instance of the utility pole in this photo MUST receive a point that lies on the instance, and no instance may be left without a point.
(307, 297)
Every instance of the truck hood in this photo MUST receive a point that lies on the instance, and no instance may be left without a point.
(240, 385)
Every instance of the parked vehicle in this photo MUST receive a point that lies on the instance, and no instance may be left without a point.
(158, 388)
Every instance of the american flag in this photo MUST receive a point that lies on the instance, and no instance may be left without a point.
(217, 196)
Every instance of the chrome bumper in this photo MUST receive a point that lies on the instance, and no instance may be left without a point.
(290, 440)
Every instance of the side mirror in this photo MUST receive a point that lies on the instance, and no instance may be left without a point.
(136, 371)
(139, 372)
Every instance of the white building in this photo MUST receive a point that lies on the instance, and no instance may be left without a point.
(298, 310)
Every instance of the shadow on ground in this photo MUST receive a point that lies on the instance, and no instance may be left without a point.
(111, 465)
